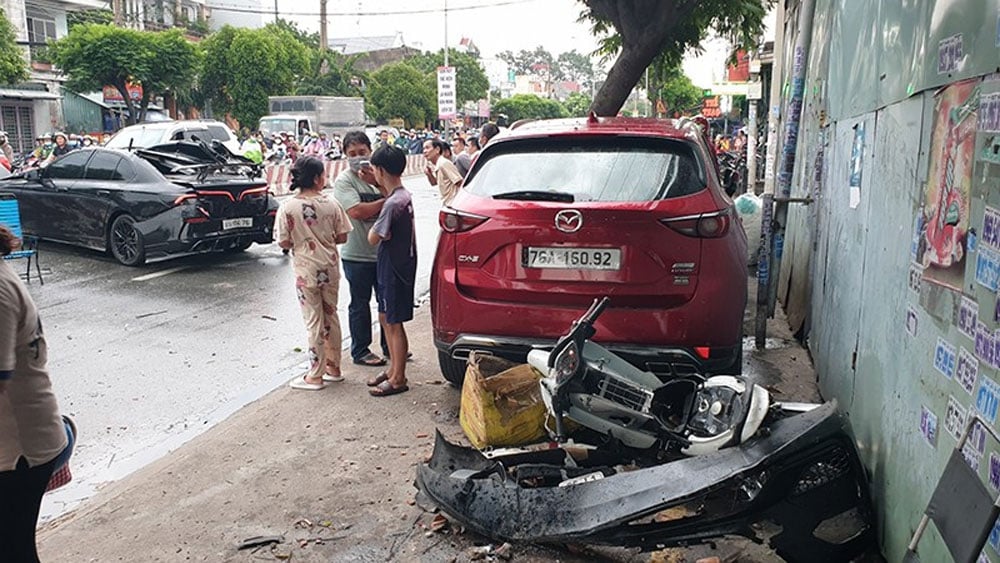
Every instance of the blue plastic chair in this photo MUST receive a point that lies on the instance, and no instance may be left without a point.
(10, 216)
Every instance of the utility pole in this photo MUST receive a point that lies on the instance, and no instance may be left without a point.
(116, 7)
(447, 124)
(275, 11)
(322, 25)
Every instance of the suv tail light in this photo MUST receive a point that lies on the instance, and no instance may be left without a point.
(706, 225)
(454, 221)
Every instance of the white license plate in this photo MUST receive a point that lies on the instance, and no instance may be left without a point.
(237, 223)
(573, 258)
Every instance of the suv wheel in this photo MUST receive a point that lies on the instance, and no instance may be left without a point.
(453, 370)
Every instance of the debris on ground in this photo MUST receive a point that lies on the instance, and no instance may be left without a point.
(258, 541)
(492, 553)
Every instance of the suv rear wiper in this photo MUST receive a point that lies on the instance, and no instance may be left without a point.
(537, 195)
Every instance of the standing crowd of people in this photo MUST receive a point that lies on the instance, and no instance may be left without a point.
(367, 229)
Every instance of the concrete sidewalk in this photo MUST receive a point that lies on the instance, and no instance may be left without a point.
(331, 471)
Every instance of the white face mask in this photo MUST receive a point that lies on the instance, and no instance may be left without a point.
(354, 163)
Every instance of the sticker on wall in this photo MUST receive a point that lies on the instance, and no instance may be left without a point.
(988, 398)
(955, 418)
(994, 472)
(857, 164)
(990, 151)
(994, 358)
(996, 310)
(995, 537)
(984, 343)
(970, 241)
(944, 358)
(950, 54)
(991, 228)
(967, 370)
(928, 426)
(911, 321)
(946, 194)
(918, 234)
(968, 316)
(975, 446)
(982, 558)
(988, 268)
(916, 274)
(989, 120)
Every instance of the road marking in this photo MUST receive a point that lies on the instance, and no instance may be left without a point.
(160, 274)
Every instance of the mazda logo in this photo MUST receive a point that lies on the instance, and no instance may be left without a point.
(569, 221)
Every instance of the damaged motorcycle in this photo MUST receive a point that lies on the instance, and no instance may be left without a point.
(658, 463)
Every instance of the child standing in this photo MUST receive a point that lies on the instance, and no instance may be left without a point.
(311, 225)
(396, 265)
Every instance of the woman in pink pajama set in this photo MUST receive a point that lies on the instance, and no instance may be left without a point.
(311, 225)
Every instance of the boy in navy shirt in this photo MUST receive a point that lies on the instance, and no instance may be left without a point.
(396, 264)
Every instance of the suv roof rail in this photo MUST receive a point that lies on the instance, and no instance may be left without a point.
(521, 122)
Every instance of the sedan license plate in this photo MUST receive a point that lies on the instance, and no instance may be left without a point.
(573, 258)
(237, 223)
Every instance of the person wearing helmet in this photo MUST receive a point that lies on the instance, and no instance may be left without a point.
(61, 147)
(8, 151)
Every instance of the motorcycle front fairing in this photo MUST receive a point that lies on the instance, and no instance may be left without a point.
(800, 477)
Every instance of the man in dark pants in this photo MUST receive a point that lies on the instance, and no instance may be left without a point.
(355, 191)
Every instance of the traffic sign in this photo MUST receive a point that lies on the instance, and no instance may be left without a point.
(447, 102)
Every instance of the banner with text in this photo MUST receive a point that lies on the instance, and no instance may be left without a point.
(446, 92)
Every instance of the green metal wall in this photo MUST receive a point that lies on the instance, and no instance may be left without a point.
(846, 269)
(80, 114)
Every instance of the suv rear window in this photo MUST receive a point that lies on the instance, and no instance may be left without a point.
(590, 169)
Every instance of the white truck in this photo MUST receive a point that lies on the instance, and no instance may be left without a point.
(301, 114)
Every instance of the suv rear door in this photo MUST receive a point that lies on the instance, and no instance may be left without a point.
(575, 216)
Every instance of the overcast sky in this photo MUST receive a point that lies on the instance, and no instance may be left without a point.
(494, 25)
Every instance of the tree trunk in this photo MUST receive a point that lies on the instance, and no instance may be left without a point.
(128, 103)
(144, 105)
(624, 75)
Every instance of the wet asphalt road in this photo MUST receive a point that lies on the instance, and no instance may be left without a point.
(145, 359)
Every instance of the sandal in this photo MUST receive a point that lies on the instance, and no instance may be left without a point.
(385, 389)
(370, 360)
(301, 383)
(333, 378)
(378, 379)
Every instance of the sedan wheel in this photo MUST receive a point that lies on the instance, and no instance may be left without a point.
(126, 242)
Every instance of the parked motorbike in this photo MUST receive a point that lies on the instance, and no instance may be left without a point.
(595, 388)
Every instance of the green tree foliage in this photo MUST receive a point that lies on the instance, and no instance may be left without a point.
(12, 66)
(75, 18)
(529, 106)
(96, 55)
(575, 66)
(310, 40)
(524, 60)
(399, 90)
(676, 91)
(471, 83)
(245, 66)
(577, 104)
(334, 75)
(638, 32)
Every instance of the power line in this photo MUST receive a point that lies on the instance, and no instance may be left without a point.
(223, 8)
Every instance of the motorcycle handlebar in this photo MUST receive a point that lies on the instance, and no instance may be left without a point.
(596, 309)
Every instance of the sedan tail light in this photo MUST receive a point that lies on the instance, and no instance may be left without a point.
(454, 221)
(706, 225)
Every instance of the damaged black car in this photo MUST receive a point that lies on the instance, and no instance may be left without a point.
(165, 201)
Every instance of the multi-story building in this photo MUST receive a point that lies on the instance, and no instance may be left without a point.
(35, 106)
(156, 15)
(237, 13)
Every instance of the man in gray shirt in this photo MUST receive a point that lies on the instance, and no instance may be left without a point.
(355, 191)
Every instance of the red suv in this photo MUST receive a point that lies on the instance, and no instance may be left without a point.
(555, 213)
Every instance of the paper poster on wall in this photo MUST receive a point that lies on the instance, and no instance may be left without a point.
(857, 165)
(955, 418)
(928, 426)
(968, 315)
(946, 194)
(975, 446)
(988, 399)
(967, 370)
(911, 321)
(944, 358)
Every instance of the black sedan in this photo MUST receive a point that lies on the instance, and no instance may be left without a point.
(165, 201)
